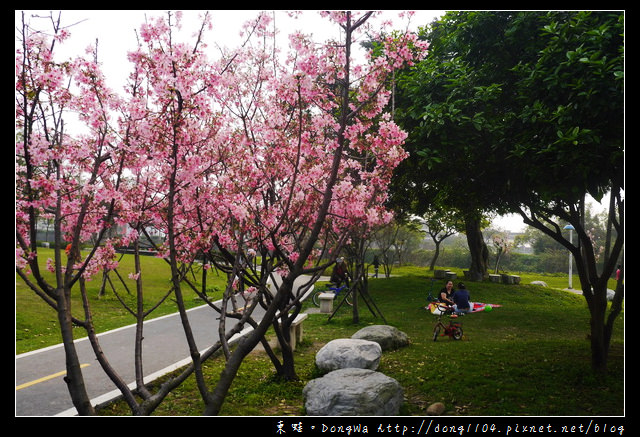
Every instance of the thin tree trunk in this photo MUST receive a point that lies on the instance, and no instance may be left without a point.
(436, 254)
(74, 378)
(246, 345)
(142, 390)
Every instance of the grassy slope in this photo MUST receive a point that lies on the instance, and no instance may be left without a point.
(529, 357)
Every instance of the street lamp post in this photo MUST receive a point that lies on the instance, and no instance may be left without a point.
(571, 228)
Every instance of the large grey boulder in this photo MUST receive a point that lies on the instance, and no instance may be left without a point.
(388, 337)
(347, 352)
(353, 392)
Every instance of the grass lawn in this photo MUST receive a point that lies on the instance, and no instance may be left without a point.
(37, 323)
(531, 357)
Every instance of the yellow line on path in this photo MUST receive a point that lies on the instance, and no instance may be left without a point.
(46, 378)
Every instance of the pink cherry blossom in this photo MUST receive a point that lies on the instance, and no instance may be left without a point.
(212, 151)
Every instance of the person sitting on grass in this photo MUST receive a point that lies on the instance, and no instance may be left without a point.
(446, 294)
(462, 304)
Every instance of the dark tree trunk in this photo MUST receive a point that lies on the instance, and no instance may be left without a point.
(477, 248)
(436, 254)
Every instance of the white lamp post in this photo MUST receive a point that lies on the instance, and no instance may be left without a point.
(571, 228)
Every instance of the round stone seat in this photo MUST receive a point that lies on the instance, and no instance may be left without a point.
(353, 392)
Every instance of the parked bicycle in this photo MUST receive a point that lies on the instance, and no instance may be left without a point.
(335, 290)
(453, 329)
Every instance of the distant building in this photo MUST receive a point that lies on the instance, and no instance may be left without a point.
(45, 233)
(526, 248)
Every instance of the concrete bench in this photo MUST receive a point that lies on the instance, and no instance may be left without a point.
(510, 279)
(444, 274)
(326, 302)
(439, 274)
(295, 331)
(450, 276)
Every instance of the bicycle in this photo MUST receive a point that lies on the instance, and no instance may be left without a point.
(453, 329)
(336, 291)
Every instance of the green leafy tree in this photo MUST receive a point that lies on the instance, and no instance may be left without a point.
(522, 112)
(575, 107)
(441, 224)
(454, 106)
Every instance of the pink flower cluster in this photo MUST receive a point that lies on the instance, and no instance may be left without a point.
(230, 152)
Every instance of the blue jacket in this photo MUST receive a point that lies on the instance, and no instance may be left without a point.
(461, 298)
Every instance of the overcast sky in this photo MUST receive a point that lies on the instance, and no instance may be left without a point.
(115, 31)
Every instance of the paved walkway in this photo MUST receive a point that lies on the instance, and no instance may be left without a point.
(41, 391)
(164, 350)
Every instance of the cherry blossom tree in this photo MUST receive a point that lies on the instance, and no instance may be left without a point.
(334, 163)
(89, 183)
(69, 179)
(501, 243)
(256, 161)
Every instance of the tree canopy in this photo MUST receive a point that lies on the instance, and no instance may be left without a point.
(509, 104)
(521, 112)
